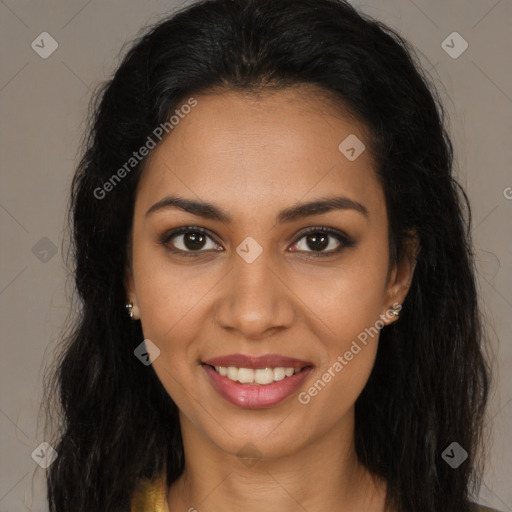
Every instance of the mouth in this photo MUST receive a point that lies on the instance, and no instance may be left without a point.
(256, 382)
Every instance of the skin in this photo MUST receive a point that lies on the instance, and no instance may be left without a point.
(240, 152)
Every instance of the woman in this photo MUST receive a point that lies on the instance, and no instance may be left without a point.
(322, 352)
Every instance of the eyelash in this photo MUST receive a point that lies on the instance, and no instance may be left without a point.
(345, 240)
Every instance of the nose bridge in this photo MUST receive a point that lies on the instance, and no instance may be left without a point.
(254, 280)
(255, 299)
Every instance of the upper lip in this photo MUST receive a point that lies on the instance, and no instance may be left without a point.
(263, 361)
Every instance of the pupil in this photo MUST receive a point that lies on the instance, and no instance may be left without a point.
(317, 242)
(194, 240)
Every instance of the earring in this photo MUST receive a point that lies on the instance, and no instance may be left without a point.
(395, 310)
(129, 307)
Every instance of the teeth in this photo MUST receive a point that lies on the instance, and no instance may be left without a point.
(264, 376)
(279, 373)
(256, 376)
(232, 373)
(245, 375)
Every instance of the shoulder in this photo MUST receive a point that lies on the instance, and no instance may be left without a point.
(150, 495)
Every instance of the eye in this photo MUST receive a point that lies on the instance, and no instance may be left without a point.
(322, 241)
(189, 239)
(317, 241)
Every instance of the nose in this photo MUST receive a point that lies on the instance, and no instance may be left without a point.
(256, 301)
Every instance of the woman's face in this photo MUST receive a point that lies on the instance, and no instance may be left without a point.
(251, 288)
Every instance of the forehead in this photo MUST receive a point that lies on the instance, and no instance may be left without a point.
(246, 150)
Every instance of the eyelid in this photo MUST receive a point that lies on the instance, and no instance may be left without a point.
(344, 239)
(165, 238)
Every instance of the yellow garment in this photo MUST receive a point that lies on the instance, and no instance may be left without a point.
(150, 496)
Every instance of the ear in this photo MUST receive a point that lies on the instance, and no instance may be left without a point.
(400, 279)
(131, 296)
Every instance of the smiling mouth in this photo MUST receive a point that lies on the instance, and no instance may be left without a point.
(257, 376)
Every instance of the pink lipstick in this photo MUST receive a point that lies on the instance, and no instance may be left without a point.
(256, 382)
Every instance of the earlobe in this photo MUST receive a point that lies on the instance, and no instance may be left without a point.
(133, 311)
(391, 314)
(131, 302)
(401, 279)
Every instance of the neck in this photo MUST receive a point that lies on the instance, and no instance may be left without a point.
(322, 476)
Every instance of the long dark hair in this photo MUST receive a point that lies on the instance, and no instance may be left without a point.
(430, 383)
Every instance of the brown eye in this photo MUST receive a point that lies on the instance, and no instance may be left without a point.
(194, 241)
(317, 242)
(188, 240)
(322, 241)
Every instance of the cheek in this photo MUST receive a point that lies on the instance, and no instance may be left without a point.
(349, 347)
(349, 297)
(169, 296)
(347, 305)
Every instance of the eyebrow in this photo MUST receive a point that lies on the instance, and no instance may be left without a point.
(212, 212)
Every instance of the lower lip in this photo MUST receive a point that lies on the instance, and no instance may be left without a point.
(254, 396)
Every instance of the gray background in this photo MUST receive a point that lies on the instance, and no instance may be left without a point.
(43, 105)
